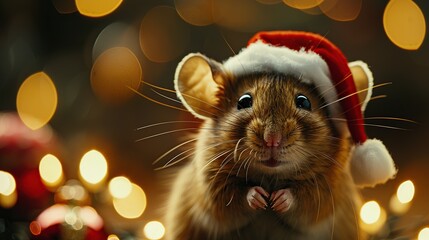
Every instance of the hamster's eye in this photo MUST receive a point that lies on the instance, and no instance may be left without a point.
(303, 102)
(244, 101)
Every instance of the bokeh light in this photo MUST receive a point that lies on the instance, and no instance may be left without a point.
(8, 201)
(370, 212)
(7, 183)
(71, 191)
(344, 10)
(405, 192)
(93, 167)
(269, 1)
(97, 8)
(133, 205)
(154, 230)
(36, 101)
(113, 73)
(424, 234)
(404, 24)
(302, 4)
(195, 12)
(163, 34)
(51, 171)
(112, 237)
(35, 228)
(120, 187)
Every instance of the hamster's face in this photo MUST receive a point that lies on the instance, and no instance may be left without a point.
(277, 125)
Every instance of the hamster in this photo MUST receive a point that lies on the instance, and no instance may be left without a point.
(271, 162)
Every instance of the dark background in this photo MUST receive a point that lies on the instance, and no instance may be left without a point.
(35, 36)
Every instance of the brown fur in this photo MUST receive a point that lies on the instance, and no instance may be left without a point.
(208, 199)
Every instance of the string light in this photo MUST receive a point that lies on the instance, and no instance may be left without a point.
(51, 171)
(36, 101)
(302, 4)
(154, 230)
(133, 205)
(424, 234)
(404, 24)
(120, 187)
(113, 73)
(93, 168)
(7, 183)
(97, 8)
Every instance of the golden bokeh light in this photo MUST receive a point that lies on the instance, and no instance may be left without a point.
(370, 212)
(344, 10)
(302, 4)
(93, 167)
(8, 201)
(405, 192)
(112, 237)
(120, 187)
(113, 73)
(97, 8)
(7, 183)
(36, 101)
(163, 34)
(195, 12)
(133, 205)
(404, 24)
(51, 171)
(424, 234)
(154, 230)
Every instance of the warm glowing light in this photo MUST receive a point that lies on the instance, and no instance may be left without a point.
(302, 4)
(113, 237)
(370, 212)
(35, 228)
(405, 192)
(8, 201)
(7, 183)
(36, 100)
(154, 230)
(269, 1)
(51, 170)
(97, 8)
(93, 167)
(113, 73)
(424, 234)
(120, 187)
(404, 24)
(163, 35)
(72, 190)
(195, 12)
(133, 205)
(344, 10)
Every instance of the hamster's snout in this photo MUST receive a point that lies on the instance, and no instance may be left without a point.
(272, 138)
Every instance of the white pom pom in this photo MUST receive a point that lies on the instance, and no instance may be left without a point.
(371, 164)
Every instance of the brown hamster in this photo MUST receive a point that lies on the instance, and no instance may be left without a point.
(269, 162)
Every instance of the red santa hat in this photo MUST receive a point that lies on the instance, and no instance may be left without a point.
(313, 59)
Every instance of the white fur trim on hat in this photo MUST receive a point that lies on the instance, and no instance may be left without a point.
(371, 164)
(306, 66)
(368, 74)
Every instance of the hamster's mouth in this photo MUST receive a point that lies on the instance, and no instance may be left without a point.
(271, 162)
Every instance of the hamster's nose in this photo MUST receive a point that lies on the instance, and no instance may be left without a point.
(272, 139)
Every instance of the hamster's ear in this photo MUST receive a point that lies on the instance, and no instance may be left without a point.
(363, 81)
(197, 82)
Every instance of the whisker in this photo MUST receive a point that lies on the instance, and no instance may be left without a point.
(352, 94)
(157, 102)
(172, 149)
(164, 123)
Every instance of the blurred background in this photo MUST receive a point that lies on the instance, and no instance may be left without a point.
(79, 86)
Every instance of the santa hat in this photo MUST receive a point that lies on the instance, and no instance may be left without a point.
(313, 59)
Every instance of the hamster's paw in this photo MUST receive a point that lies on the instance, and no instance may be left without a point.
(256, 198)
(281, 200)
